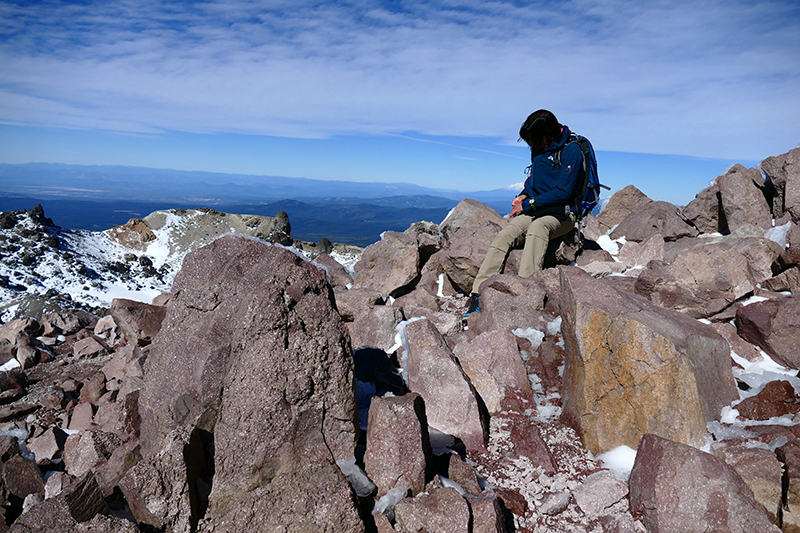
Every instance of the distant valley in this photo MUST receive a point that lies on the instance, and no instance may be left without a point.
(100, 197)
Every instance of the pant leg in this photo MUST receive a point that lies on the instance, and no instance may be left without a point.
(511, 236)
(540, 232)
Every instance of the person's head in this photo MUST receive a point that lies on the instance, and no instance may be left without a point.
(540, 129)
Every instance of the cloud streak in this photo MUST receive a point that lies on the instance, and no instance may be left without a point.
(715, 78)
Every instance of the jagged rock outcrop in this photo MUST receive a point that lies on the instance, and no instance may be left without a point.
(451, 402)
(248, 317)
(390, 265)
(467, 231)
(773, 326)
(783, 172)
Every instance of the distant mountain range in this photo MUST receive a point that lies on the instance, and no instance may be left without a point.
(101, 197)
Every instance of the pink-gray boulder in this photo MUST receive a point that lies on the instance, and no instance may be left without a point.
(253, 353)
(655, 218)
(139, 322)
(389, 265)
(700, 282)
(675, 487)
(451, 402)
(398, 448)
(742, 198)
(467, 233)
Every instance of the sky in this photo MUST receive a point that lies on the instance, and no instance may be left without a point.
(671, 93)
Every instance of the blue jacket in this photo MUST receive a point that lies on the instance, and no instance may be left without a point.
(552, 187)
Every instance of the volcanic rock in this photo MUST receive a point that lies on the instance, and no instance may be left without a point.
(783, 172)
(675, 487)
(390, 265)
(742, 198)
(139, 322)
(398, 448)
(493, 363)
(654, 218)
(634, 368)
(773, 326)
(249, 320)
(621, 205)
(467, 233)
(451, 402)
(700, 282)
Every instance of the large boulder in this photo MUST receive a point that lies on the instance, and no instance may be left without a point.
(467, 232)
(493, 363)
(773, 325)
(389, 265)
(742, 198)
(762, 472)
(634, 368)
(253, 352)
(783, 172)
(654, 218)
(700, 282)
(675, 487)
(451, 402)
(398, 447)
(509, 302)
(705, 211)
(139, 322)
(621, 205)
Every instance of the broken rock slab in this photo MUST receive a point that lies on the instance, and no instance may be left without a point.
(451, 401)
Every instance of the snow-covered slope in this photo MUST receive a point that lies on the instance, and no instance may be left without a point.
(44, 267)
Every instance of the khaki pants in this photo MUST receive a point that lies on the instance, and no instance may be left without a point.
(532, 235)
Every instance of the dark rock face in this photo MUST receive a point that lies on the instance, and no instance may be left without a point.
(467, 232)
(398, 447)
(675, 487)
(624, 203)
(253, 351)
(773, 326)
(655, 218)
(743, 200)
(138, 321)
(783, 172)
(390, 265)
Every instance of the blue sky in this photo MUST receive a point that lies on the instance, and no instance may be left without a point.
(671, 93)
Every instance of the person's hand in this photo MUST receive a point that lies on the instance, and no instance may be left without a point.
(516, 205)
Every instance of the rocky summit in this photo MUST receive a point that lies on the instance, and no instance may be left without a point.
(205, 372)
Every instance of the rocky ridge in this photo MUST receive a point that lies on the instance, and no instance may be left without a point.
(268, 393)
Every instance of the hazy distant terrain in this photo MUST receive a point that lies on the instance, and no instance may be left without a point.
(101, 197)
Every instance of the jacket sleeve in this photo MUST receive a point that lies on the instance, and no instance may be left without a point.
(563, 179)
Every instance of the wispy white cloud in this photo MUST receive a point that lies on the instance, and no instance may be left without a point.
(715, 78)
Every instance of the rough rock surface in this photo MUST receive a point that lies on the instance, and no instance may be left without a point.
(467, 232)
(783, 172)
(675, 487)
(634, 368)
(389, 265)
(249, 319)
(742, 198)
(700, 282)
(398, 447)
(773, 326)
(451, 402)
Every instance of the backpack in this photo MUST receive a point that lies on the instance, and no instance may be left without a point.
(588, 192)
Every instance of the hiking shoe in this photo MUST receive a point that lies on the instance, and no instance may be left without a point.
(474, 305)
